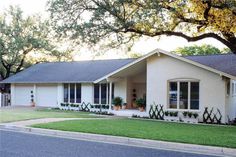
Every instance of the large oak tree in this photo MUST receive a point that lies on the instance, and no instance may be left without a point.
(24, 41)
(123, 21)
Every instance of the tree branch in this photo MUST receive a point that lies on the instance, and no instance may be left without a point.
(188, 38)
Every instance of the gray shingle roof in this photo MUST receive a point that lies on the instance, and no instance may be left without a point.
(224, 62)
(59, 72)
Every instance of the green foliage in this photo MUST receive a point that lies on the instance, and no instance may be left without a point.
(24, 41)
(173, 114)
(117, 101)
(140, 102)
(120, 21)
(199, 50)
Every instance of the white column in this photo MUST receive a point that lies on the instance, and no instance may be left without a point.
(13, 95)
(100, 94)
(107, 93)
(110, 95)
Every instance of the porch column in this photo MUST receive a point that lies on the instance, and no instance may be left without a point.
(110, 94)
(100, 94)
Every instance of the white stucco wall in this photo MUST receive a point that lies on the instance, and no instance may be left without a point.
(231, 102)
(46, 95)
(87, 92)
(20, 94)
(120, 89)
(60, 93)
(163, 68)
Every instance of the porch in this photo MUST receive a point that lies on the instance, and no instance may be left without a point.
(128, 83)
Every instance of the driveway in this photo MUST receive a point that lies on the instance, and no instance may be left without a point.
(16, 144)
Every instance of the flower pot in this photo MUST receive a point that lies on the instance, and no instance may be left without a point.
(123, 107)
(32, 104)
(141, 109)
(116, 108)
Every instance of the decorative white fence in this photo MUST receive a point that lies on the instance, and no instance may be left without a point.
(5, 99)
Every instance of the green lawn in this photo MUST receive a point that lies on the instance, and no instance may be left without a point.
(17, 114)
(185, 133)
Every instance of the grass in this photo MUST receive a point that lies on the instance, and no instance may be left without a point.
(17, 114)
(224, 136)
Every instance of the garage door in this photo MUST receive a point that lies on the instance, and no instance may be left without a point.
(46, 95)
(23, 95)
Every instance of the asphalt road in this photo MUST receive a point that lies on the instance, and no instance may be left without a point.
(15, 144)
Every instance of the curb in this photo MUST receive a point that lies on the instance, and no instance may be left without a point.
(181, 147)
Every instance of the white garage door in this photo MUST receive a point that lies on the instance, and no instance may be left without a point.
(23, 95)
(46, 96)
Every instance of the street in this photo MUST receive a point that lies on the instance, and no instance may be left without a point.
(16, 144)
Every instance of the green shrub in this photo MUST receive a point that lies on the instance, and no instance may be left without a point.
(117, 101)
(195, 115)
(190, 114)
(166, 113)
(141, 102)
(185, 113)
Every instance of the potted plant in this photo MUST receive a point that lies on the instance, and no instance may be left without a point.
(185, 114)
(190, 114)
(141, 103)
(63, 106)
(171, 116)
(166, 113)
(190, 117)
(124, 106)
(195, 115)
(67, 106)
(117, 101)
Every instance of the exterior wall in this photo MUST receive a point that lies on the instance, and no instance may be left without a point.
(87, 92)
(46, 95)
(20, 94)
(231, 103)
(60, 93)
(121, 89)
(164, 68)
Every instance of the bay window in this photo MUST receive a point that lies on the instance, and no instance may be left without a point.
(72, 93)
(183, 95)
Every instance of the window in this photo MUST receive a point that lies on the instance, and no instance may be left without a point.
(105, 88)
(234, 88)
(72, 93)
(173, 95)
(96, 94)
(78, 93)
(103, 93)
(184, 95)
(66, 92)
(194, 98)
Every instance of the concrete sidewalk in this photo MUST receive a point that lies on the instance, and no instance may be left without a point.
(198, 149)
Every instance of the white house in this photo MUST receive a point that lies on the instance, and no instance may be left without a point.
(179, 83)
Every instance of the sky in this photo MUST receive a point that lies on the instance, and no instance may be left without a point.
(143, 46)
